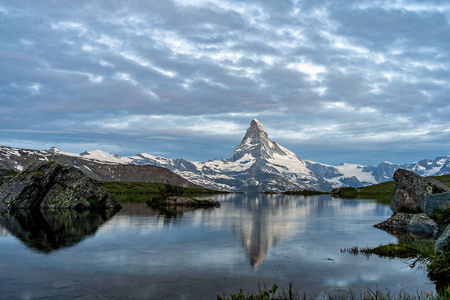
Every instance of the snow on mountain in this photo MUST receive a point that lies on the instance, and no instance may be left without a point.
(258, 164)
(99, 155)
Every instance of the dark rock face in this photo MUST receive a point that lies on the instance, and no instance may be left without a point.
(411, 190)
(443, 241)
(48, 185)
(436, 202)
(415, 223)
(5, 176)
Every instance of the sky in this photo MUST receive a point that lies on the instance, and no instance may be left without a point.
(333, 81)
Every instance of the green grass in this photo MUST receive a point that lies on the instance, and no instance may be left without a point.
(389, 250)
(291, 293)
(147, 188)
(381, 191)
(419, 252)
(445, 179)
(158, 200)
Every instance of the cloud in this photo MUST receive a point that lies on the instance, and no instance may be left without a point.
(190, 72)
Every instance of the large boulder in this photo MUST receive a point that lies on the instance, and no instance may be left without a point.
(434, 203)
(415, 223)
(443, 241)
(411, 190)
(48, 185)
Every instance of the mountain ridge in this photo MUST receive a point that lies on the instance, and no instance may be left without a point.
(258, 164)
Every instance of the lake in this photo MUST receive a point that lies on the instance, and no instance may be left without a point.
(252, 239)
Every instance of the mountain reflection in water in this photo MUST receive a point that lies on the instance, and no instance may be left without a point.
(194, 254)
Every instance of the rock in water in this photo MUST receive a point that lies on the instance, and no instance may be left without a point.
(48, 185)
(415, 223)
(411, 190)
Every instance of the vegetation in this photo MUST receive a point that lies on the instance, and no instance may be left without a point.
(442, 216)
(8, 172)
(159, 199)
(303, 193)
(389, 250)
(422, 252)
(147, 188)
(292, 294)
(381, 191)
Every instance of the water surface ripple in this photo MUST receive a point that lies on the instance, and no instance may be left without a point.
(251, 239)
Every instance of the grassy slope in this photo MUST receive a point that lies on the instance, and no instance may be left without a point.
(121, 187)
(382, 191)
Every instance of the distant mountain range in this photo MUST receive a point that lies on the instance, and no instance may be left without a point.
(258, 164)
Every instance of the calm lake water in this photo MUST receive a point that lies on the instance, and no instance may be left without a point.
(140, 254)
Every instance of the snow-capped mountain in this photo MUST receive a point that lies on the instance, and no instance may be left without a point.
(258, 164)
(359, 175)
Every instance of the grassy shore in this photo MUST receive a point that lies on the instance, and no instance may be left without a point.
(382, 191)
(144, 191)
(290, 293)
(416, 252)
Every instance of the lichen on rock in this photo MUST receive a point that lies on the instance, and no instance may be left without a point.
(48, 185)
(412, 189)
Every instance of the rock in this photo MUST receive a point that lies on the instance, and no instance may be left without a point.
(398, 221)
(48, 185)
(415, 223)
(443, 241)
(179, 201)
(434, 203)
(5, 176)
(423, 224)
(411, 190)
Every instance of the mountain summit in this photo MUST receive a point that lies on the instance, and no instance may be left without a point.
(257, 144)
(258, 164)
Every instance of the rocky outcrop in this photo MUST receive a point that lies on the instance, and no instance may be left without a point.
(434, 203)
(179, 201)
(412, 189)
(443, 241)
(6, 175)
(48, 185)
(415, 223)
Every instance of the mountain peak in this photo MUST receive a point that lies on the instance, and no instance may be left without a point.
(256, 142)
(53, 150)
(256, 124)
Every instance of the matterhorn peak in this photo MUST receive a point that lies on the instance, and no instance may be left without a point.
(257, 124)
(256, 142)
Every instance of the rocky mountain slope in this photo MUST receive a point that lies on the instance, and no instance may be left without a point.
(19, 159)
(353, 175)
(258, 164)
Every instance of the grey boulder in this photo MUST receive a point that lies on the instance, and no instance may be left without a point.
(412, 189)
(48, 185)
(414, 223)
(434, 203)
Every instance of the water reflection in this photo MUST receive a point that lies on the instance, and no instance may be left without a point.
(46, 231)
(250, 239)
(261, 225)
(260, 221)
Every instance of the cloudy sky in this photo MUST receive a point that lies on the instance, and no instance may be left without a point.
(333, 81)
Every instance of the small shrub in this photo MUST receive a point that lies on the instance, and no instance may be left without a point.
(442, 216)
